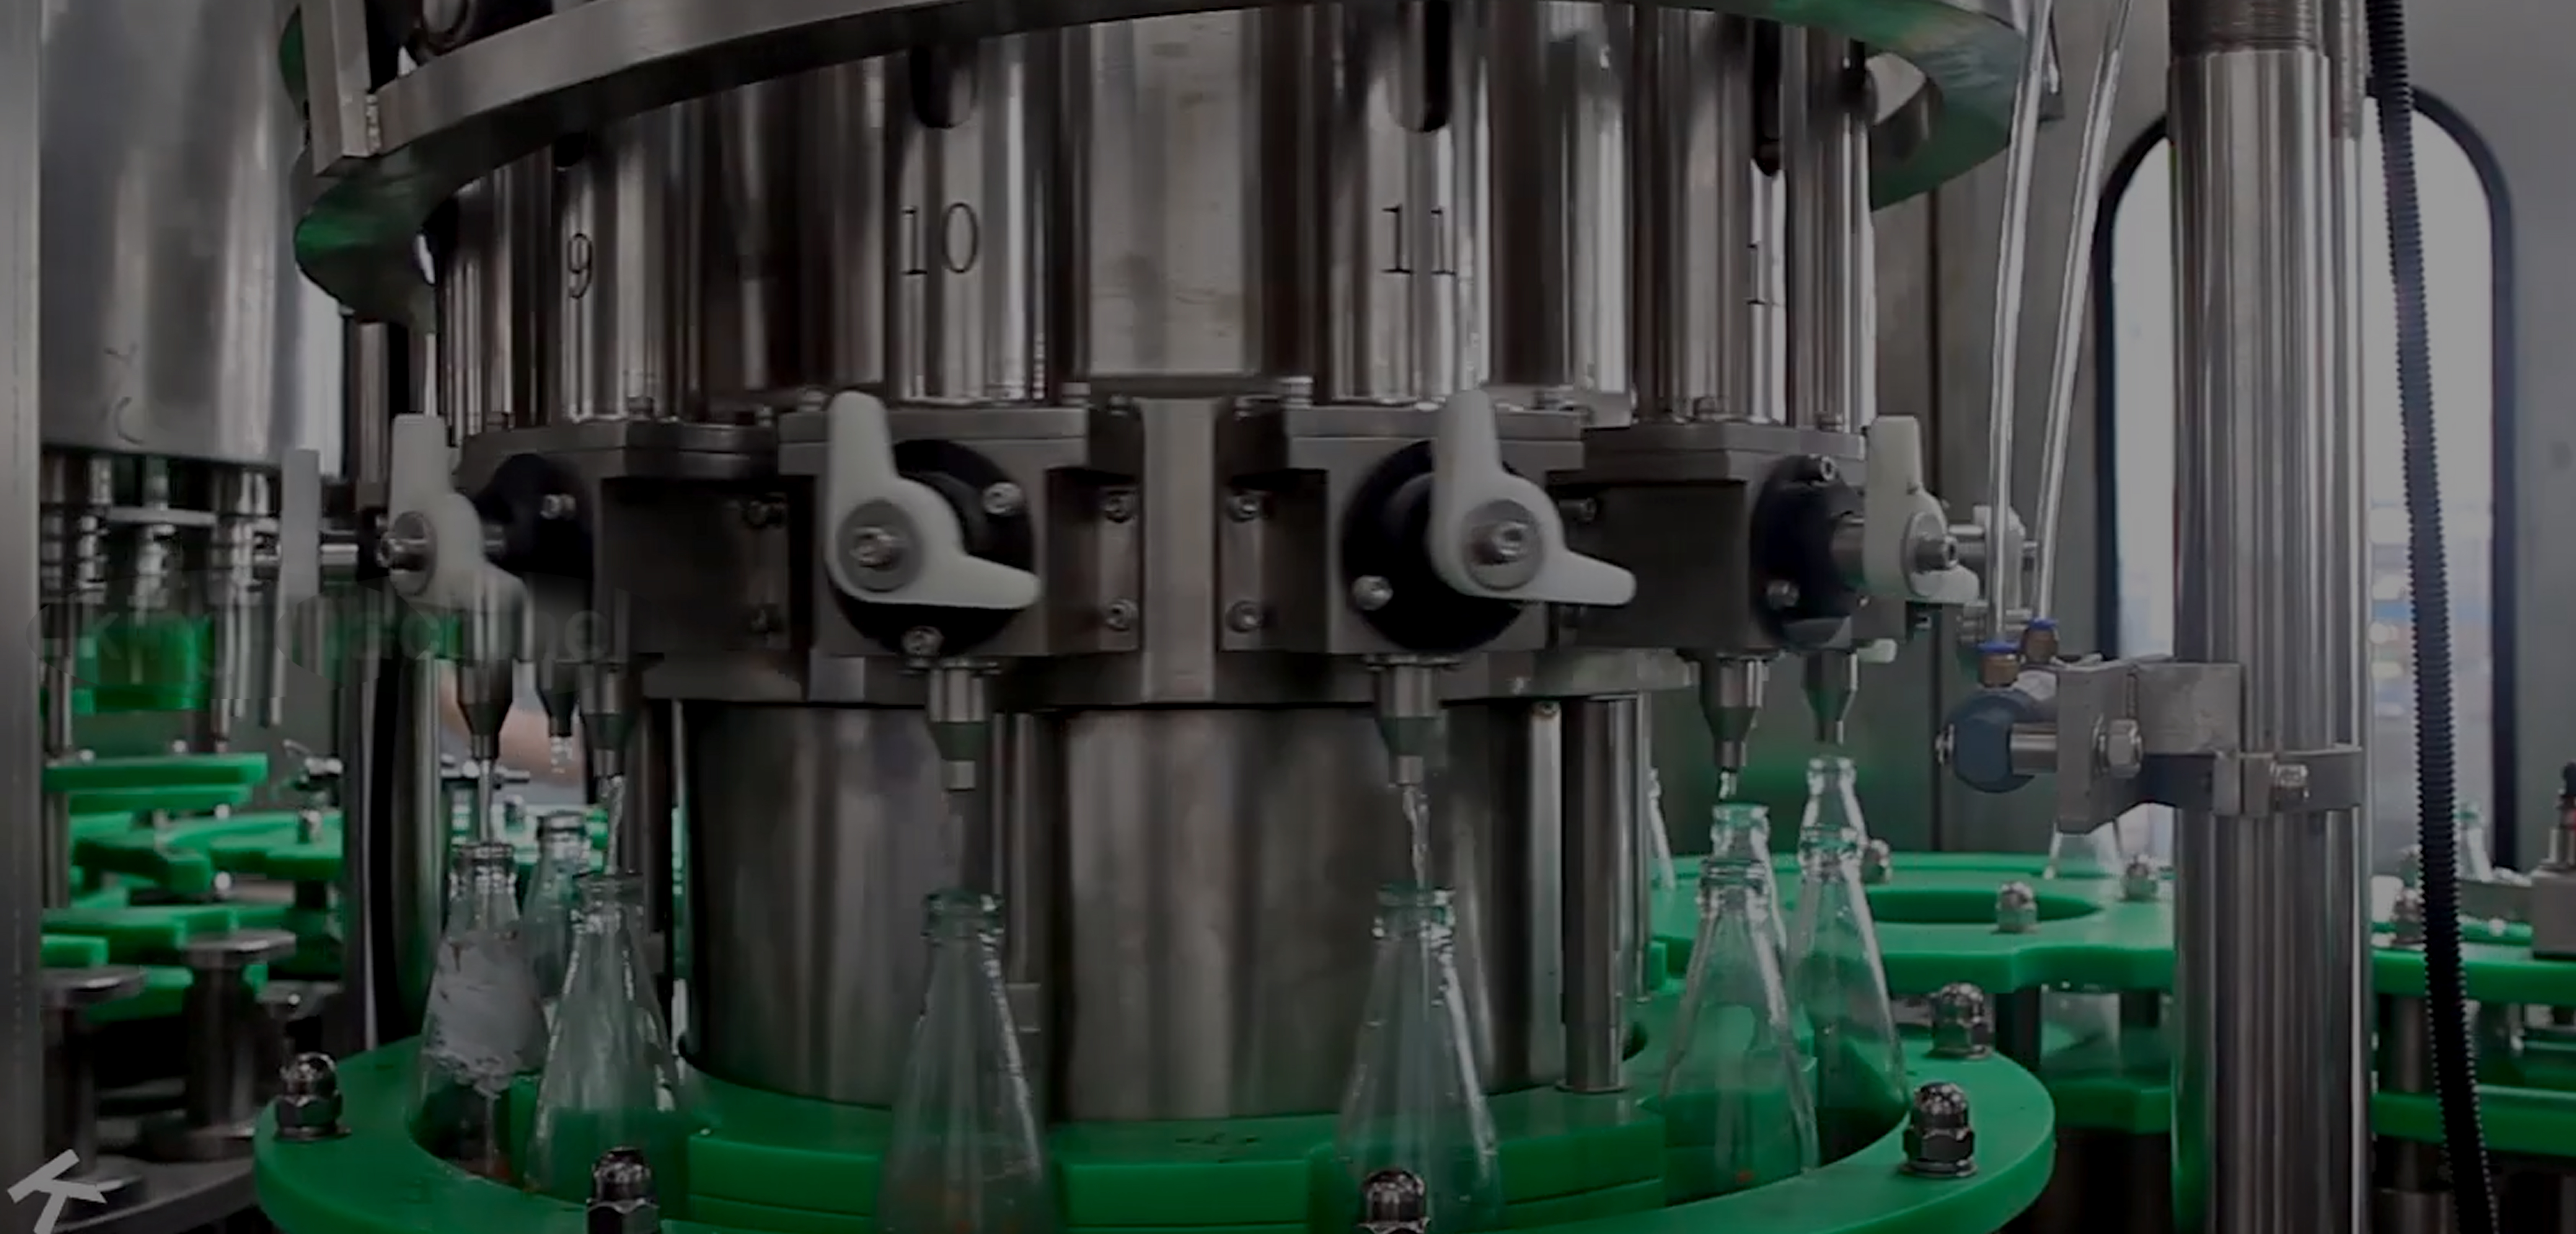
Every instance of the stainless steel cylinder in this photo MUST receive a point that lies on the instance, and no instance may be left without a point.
(1220, 870)
(416, 842)
(628, 277)
(756, 339)
(494, 276)
(170, 296)
(842, 177)
(970, 157)
(1186, 197)
(1404, 145)
(2271, 978)
(1559, 195)
(1831, 297)
(1694, 269)
(1216, 874)
(1600, 886)
(814, 834)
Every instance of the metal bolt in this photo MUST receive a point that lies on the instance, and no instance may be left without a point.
(876, 548)
(1578, 509)
(1119, 615)
(1502, 542)
(1394, 1202)
(308, 1100)
(1939, 552)
(1823, 471)
(1244, 617)
(1004, 499)
(2139, 883)
(1781, 593)
(1944, 744)
(1963, 1024)
(2406, 919)
(1877, 862)
(2121, 747)
(1940, 1140)
(922, 642)
(621, 1195)
(1118, 505)
(1247, 507)
(2290, 781)
(2016, 909)
(556, 506)
(1369, 593)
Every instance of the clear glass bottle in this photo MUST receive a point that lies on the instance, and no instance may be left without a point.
(1737, 1108)
(967, 1155)
(1740, 834)
(1833, 800)
(1839, 985)
(546, 914)
(2088, 1016)
(485, 1026)
(1415, 1101)
(609, 1079)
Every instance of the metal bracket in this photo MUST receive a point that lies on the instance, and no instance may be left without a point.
(2263, 784)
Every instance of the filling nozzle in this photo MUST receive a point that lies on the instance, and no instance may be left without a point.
(1730, 697)
(1832, 678)
(960, 711)
(608, 702)
(1407, 695)
(559, 690)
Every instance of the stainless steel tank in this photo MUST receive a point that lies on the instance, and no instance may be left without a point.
(171, 300)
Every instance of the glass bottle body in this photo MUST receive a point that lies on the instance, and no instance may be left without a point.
(485, 1025)
(609, 1080)
(1415, 1101)
(2476, 853)
(1839, 984)
(1736, 1100)
(546, 915)
(967, 1154)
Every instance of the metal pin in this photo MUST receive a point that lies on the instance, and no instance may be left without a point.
(1940, 1142)
(2016, 909)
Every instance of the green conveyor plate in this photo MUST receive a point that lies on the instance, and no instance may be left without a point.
(137, 935)
(1936, 926)
(376, 1181)
(176, 799)
(144, 771)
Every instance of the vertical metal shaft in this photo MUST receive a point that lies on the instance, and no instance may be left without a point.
(1694, 279)
(2003, 368)
(22, 1036)
(1824, 142)
(351, 1024)
(2269, 1081)
(416, 843)
(1600, 873)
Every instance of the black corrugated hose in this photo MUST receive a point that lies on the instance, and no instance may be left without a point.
(2464, 1146)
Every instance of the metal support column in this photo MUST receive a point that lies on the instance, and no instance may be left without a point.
(2269, 1087)
(1600, 824)
(22, 1029)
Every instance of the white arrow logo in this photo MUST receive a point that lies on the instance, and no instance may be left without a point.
(49, 1183)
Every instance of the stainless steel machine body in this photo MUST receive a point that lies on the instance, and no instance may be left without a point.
(1089, 394)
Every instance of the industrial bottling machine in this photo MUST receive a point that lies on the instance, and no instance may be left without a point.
(1107, 573)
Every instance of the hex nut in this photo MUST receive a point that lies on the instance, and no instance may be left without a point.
(1963, 1023)
(1940, 1140)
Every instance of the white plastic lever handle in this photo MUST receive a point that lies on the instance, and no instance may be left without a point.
(1894, 505)
(1467, 475)
(419, 482)
(858, 470)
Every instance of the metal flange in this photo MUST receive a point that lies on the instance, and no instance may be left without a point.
(381, 159)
